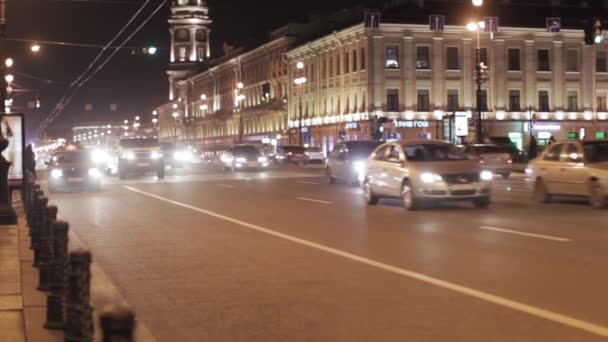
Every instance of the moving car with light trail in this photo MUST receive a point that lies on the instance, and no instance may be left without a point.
(491, 157)
(291, 154)
(347, 161)
(425, 171)
(314, 155)
(242, 157)
(73, 170)
(573, 169)
(140, 155)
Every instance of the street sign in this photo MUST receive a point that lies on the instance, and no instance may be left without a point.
(553, 24)
(491, 24)
(436, 22)
(372, 19)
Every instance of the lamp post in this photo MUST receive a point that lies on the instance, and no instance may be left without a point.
(479, 78)
(239, 100)
(300, 81)
(175, 115)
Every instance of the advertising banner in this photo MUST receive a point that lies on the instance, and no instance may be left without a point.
(12, 128)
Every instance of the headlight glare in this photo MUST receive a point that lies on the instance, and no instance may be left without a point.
(94, 173)
(262, 159)
(241, 160)
(128, 155)
(155, 155)
(359, 166)
(429, 177)
(56, 173)
(486, 175)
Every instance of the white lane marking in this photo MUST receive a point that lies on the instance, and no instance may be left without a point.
(225, 185)
(485, 296)
(303, 182)
(517, 232)
(313, 200)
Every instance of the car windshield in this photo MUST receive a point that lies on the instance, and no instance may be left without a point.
(313, 149)
(433, 152)
(486, 149)
(246, 150)
(596, 151)
(139, 143)
(362, 149)
(73, 157)
(294, 149)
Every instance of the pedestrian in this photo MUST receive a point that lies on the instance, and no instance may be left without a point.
(30, 160)
(551, 140)
(532, 148)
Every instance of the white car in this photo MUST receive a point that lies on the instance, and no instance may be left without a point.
(242, 157)
(314, 155)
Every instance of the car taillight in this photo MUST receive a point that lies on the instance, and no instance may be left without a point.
(509, 161)
(481, 160)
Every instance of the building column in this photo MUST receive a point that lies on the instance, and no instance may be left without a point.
(438, 74)
(193, 51)
(376, 66)
(587, 77)
(558, 76)
(498, 75)
(172, 52)
(467, 73)
(408, 83)
(530, 74)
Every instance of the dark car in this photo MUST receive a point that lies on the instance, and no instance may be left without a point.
(347, 161)
(140, 155)
(73, 170)
(291, 154)
(241, 157)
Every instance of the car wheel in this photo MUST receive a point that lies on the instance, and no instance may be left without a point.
(482, 202)
(540, 192)
(407, 196)
(506, 175)
(597, 195)
(160, 172)
(368, 194)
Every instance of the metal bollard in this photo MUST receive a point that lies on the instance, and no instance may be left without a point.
(79, 319)
(117, 325)
(30, 201)
(59, 266)
(46, 248)
(41, 204)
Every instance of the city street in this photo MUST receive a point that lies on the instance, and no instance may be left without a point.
(283, 256)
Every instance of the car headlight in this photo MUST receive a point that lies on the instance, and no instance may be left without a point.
(56, 173)
(241, 160)
(128, 155)
(359, 166)
(155, 155)
(262, 159)
(99, 156)
(486, 175)
(429, 177)
(94, 173)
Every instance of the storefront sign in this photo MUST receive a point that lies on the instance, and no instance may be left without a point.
(544, 135)
(546, 127)
(411, 124)
(351, 125)
(600, 135)
(304, 129)
(461, 123)
(572, 135)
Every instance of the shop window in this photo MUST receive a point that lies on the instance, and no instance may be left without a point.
(543, 60)
(452, 58)
(543, 101)
(423, 57)
(354, 60)
(601, 103)
(572, 101)
(600, 62)
(423, 100)
(514, 105)
(453, 100)
(181, 53)
(392, 100)
(392, 57)
(514, 63)
(572, 60)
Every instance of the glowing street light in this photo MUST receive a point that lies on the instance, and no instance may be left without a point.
(126, 122)
(300, 65)
(472, 26)
(155, 113)
(35, 48)
(137, 118)
(9, 62)
(203, 97)
(477, 3)
(9, 78)
(152, 50)
(240, 85)
(203, 107)
(154, 120)
(175, 106)
(175, 115)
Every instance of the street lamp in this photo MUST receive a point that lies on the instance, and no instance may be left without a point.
(300, 81)
(155, 113)
(175, 115)
(35, 48)
(479, 69)
(203, 97)
(239, 101)
(137, 118)
(477, 3)
(9, 62)
(9, 78)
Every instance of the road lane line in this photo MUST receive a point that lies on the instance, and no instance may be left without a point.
(517, 232)
(313, 200)
(225, 185)
(484, 296)
(303, 182)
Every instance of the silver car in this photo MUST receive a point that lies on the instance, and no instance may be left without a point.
(243, 157)
(419, 171)
(347, 161)
(571, 168)
(491, 157)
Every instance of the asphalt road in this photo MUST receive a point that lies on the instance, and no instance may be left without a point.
(284, 256)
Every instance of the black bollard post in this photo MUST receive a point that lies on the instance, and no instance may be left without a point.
(117, 325)
(59, 266)
(79, 320)
(46, 248)
(30, 200)
(39, 224)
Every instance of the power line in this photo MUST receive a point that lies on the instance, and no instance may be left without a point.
(43, 80)
(60, 43)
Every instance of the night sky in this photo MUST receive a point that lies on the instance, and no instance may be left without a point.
(138, 83)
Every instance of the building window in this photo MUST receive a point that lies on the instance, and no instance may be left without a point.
(514, 64)
(423, 100)
(484, 56)
(346, 63)
(572, 60)
(331, 66)
(572, 101)
(514, 105)
(312, 72)
(362, 58)
(392, 100)
(337, 64)
(324, 68)
(392, 57)
(452, 58)
(453, 100)
(423, 57)
(543, 101)
(354, 60)
(483, 100)
(543, 60)
(600, 62)
(181, 53)
(601, 103)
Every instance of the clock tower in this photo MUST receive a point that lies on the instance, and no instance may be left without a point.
(189, 28)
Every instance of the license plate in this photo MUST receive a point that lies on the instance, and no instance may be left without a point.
(75, 179)
(461, 187)
(143, 164)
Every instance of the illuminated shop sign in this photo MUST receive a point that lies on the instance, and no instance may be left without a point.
(411, 124)
(304, 129)
(351, 125)
(546, 127)
(600, 135)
